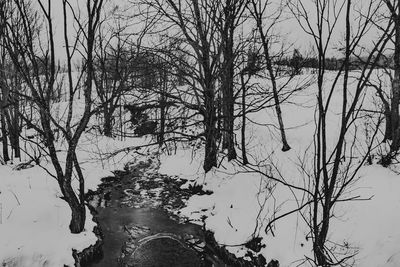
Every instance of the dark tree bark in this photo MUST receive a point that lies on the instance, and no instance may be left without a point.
(227, 35)
(232, 13)
(163, 105)
(386, 112)
(285, 144)
(12, 115)
(243, 129)
(108, 120)
(3, 115)
(210, 157)
(77, 204)
(3, 92)
(220, 116)
(395, 116)
(6, 156)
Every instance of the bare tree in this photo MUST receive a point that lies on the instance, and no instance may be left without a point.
(232, 16)
(11, 88)
(3, 87)
(195, 21)
(258, 9)
(118, 60)
(392, 102)
(35, 61)
(112, 72)
(334, 168)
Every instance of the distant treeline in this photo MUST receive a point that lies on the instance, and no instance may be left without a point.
(298, 62)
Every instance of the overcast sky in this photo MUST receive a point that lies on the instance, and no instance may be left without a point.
(289, 27)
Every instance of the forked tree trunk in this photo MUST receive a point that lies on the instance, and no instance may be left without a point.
(78, 212)
(208, 86)
(78, 216)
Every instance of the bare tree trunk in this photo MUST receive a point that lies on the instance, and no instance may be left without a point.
(78, 205)
(228, 105)
(108, 121)
(3, 93)
(14, 137)
(220, 116)
(285, 145)
(78, 218)
(78, 215)
(388, 117)
(40, 79)
(6, 156)
(244, 155)
(228, 29)
(265, 43)
(75, 202)
(162, 101)
(161, 133)
(395, 118)
(210, 156)
(16, 127)
(196, 20)
(12, 117)
(3, 116)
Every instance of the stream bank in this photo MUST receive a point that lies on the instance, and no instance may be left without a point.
(134, 210)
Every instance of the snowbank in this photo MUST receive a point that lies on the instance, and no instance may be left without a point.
(34, 226)
(34, 220)
(244, 202)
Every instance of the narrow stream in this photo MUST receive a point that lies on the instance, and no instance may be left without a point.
(137, 229)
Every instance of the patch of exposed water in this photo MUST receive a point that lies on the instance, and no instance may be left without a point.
(137, 229)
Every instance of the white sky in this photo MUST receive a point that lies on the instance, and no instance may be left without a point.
(289, 27)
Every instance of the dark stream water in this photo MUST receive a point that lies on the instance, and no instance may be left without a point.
(137, 229)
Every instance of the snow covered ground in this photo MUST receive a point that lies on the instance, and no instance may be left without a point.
(235, 208)
(34, 226)
(34, 220)
(245, 201)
